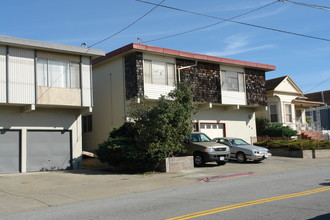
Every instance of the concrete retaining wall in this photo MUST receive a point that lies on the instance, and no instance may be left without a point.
(177, 164)
(309, 154)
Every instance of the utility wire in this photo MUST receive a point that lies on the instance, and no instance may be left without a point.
(318, 85)
(210, 25)
(308, 5)
(237, 22)
(128, 26)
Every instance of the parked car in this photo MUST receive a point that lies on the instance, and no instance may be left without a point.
(205, 150)
(242, 151)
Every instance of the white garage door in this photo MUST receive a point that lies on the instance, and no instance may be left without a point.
(48, 150)
(212, 130)
(9, 151)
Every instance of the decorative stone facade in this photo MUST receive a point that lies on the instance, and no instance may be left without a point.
(134, 75)
(204, 79)
(255, 83)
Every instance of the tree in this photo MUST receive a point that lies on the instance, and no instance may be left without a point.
(156, 132)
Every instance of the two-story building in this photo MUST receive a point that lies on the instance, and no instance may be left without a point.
(228, 92)
(44, 89)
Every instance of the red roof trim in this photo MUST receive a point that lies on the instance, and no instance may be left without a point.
(183, 54)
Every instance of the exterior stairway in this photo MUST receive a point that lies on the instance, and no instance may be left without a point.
(312, 135)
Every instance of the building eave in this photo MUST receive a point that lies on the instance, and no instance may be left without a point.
(184, 55)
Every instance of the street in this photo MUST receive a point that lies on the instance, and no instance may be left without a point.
(301, 193)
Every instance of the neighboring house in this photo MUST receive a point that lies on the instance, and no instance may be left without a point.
(286, 103)
(227, 92)
(320, 116)
(44, 89)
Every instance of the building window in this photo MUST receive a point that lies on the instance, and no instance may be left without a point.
(288, 113)
(232, 81)
(273, 113)
(298, 116)
(160, 73)
(87, 123)
(55, 73)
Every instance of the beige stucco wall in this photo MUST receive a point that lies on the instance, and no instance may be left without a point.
(58, 96)
(42, 119)
(109, 102)
(238, 122)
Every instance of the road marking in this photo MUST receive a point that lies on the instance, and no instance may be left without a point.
(244, 204)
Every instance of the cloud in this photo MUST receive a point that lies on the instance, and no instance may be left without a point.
(238, 44)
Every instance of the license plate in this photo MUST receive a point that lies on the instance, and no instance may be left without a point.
(222, 158)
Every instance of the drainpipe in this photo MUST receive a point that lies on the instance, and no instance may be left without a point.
(185, 67)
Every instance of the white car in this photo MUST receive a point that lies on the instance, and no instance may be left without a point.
(243, 151)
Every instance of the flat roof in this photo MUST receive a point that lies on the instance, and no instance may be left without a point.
(182, 54)
(33, 44)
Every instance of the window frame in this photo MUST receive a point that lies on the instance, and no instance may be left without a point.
(149, 77)
(288, 114)
(227, 79)
(271, 113)
(66, 78)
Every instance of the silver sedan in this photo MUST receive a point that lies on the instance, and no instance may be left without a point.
(243, 151)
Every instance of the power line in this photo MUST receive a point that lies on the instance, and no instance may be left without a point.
(210, 25)
(308, 5)
(237, 22)
(128, 26)
(318, 85)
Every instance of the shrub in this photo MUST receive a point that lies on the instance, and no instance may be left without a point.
(261, 125)
(156, 132)
(295, 144)
(278, 130)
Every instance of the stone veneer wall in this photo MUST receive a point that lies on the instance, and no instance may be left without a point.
(204, 79)
(134, 75)
(255, 83)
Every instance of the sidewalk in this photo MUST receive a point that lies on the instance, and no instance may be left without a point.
(30, 191)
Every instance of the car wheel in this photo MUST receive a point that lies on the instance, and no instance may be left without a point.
(240, 157)
(221, 162)
(199, 160)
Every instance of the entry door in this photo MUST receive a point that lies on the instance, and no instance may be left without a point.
(9, 151)
(48, 150)
(212, 130)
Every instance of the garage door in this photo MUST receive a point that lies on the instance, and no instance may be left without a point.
(212, 130)
(48, 150)
(9, 151)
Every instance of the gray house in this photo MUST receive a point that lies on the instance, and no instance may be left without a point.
(44, 89)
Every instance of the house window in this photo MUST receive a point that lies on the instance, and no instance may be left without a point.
(87, 123)
(288, 113)
(273, 113)
(55, 73)
(160, 73)
(298, 116)
(232, 81)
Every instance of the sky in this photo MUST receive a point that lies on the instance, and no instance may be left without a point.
(111, 24)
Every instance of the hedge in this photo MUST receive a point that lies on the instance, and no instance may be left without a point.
(295, 144)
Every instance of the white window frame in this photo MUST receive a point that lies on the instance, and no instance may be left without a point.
(232, 81)
(149, 69)
(288, 115)
(63, 79)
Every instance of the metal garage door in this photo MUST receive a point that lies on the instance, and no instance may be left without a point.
(48, 150)
(10, 151)
(213, 130)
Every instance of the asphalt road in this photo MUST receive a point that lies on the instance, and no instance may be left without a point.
(290, 194)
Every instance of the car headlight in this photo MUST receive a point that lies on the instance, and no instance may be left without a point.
(209, 149)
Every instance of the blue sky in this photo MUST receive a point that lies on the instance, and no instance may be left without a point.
(73, 22)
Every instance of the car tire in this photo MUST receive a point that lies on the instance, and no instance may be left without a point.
(240, 156)
(198, 160)
(221, 162)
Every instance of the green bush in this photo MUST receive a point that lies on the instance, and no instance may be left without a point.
(295, 144)
(261, 125)
(157, 132)
(278, 130)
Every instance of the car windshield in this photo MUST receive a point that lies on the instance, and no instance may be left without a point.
(238, 142)
(199, 138)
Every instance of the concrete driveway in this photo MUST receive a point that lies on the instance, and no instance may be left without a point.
(29, 191)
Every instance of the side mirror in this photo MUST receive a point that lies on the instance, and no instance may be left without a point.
(187, 141)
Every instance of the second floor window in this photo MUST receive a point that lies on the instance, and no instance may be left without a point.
(55, 73)
(273, 113)
(160, 73)
(232, 81)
